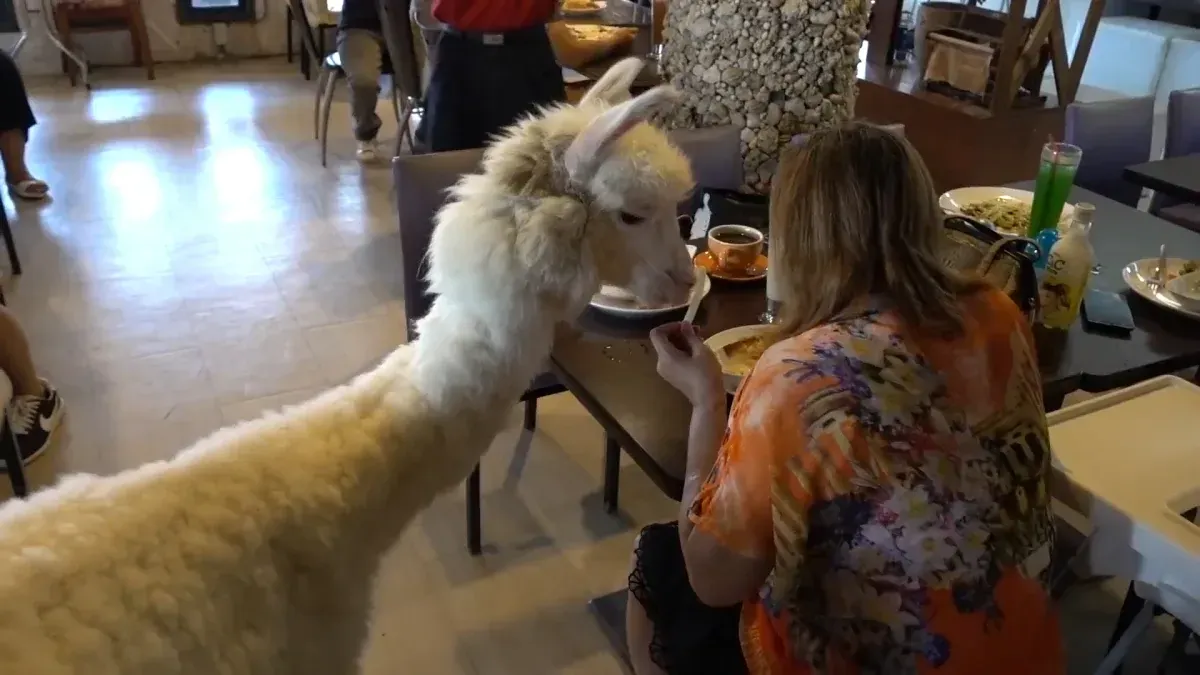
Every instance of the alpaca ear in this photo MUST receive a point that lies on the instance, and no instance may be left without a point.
(592, 145)
(613, 86)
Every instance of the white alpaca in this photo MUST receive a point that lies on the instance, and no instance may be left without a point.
(254, 551)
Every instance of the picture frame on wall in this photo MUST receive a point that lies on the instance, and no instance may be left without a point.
(192, 12)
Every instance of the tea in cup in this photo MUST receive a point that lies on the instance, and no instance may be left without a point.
(735, 247)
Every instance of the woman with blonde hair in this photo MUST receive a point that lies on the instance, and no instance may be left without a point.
(876, 500)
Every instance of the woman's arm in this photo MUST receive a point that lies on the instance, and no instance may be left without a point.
(727, 553)
(704, 441)
(719, 575)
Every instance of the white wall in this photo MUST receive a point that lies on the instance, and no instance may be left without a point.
(174, 43)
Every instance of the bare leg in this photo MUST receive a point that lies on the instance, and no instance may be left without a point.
(12, 149)
(638, 633)
(15, 358)
(16, 117)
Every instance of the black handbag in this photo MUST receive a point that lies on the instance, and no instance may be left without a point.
(1007, 262)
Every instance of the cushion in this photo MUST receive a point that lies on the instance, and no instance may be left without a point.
(1130, 53)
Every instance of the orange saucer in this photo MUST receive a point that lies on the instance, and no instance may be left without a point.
(708, 262)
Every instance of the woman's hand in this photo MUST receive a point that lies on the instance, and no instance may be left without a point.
(688, 364)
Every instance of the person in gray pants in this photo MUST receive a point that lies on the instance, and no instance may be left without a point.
(360, 45)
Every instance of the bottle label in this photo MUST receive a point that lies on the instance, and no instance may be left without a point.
(1060, 298)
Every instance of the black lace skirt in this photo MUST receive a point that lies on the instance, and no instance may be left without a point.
(15, 112)
(689, 636)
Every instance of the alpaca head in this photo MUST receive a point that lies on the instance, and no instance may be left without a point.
(634, 178)
(575, 197)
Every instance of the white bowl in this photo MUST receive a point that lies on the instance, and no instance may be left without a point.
(721, 340)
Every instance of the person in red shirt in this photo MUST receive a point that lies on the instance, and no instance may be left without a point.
(492, 64)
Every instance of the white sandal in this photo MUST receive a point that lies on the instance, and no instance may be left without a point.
(30, 189)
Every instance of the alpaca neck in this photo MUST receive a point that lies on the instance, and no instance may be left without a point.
(476, 357)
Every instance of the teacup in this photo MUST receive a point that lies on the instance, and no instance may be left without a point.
(735, 247)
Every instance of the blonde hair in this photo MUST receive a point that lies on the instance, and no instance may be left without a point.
(854, 213)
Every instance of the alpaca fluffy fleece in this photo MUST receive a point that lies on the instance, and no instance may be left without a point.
(254, 551)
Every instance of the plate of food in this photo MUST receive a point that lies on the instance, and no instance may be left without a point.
(1186, 286)
(620, 302)
(738, 349)
(1143, 278)
(1007, 210)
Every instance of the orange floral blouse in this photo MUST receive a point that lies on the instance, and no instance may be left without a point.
(899, 483)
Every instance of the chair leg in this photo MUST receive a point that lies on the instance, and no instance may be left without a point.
(474, 527)
(612, 472)
(1117, 653)
(317, 104)
(63, 23)
(289, 21)
(5, 231)
(1130, 609)
(531, 414)
(402, 132)
(327, 103)
(11, 457)
(140, 38)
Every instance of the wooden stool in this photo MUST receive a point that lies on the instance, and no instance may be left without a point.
(93, 16)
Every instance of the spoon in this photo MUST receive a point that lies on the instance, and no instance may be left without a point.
(696, 296)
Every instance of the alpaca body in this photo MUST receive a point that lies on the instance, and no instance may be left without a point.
(254, 551)
(288, 516)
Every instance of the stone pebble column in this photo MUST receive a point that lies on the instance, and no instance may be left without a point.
(774, 68)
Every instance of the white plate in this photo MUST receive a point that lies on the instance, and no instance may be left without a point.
(1186, 287)
(718, 342)
(620, 302)
(954, 201)
(1140, 276)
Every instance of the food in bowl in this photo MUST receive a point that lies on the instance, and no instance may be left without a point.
(1010, 216)
(740, 356)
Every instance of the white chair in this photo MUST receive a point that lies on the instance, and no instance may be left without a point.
(1134, 456)
(10, 456)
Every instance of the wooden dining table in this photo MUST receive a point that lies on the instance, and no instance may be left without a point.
(609, 364)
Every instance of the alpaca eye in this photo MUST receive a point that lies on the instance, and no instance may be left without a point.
(630, 218)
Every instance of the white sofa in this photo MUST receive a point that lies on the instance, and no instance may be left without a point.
(1140, 57)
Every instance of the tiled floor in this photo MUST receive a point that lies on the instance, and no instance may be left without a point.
(197, 266)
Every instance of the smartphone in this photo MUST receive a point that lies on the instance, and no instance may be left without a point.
(1105, 310)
